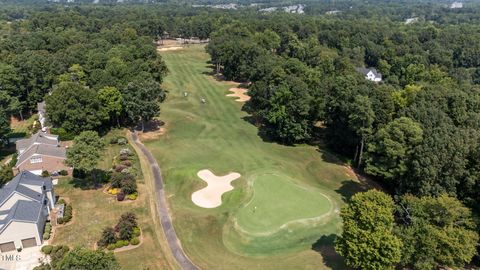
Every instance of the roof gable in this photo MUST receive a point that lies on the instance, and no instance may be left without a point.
(24, 177)
(44, 150)
(37, 138)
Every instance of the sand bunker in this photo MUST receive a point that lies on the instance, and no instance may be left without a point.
(240, 94)
(211, 195)
(163, 49)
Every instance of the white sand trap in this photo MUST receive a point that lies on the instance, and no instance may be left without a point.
(240, 94)
(211, 195)
(169, 49)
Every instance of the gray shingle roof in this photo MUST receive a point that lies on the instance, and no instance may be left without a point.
(24, 210)
(24, 177)
(42, 149)
(39, 138)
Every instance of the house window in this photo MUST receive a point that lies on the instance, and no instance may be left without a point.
(36, 160)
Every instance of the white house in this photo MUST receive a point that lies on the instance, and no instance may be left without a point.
(411, 20)
(25, 205)
(42, 115)
(456, 5)
(371, 74)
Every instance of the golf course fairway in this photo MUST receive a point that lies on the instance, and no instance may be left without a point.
(282, 213)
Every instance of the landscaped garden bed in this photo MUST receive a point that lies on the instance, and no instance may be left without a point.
(67, 212)
(125, 233)
(123, 173)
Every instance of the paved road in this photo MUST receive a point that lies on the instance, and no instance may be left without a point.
(162, 208)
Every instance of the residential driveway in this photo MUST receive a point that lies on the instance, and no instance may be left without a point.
(27, 259)
(172, 239)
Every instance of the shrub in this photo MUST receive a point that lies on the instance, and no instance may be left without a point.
(113, 191)
(47, 249)
(108, 237)
(63, 172)
(128, 217)
(111, 246)
(120, 196)
(113, 140)
(129, 187)
(121, 140)
(136, 232)
(119, 168)
(135, 241)
(60, 220)
(126, 152)
(126, 163)
(126, 225)
(45, 174)
(62, 134)
(80, 174)
(132, 196)
(125, 181)
(67, 214)
(61, 201)
(47, 231)
(121, 243)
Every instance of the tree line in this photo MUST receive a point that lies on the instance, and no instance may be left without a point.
(417, 131)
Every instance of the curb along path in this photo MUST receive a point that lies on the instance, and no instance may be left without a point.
(165, 220)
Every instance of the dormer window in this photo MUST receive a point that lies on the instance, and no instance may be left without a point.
(36, 160)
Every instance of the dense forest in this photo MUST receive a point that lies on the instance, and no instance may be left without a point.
(417, 131)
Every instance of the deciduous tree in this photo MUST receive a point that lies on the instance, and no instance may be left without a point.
(85, 152)
(368, 241)
(436, 232)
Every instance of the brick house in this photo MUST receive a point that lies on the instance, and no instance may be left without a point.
(41, 152)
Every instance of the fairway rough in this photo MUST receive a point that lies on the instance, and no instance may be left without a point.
(211, 195)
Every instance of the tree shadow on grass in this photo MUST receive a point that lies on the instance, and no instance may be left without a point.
(350, 188)
(84, 181)
(329, 157)
(262, 131)
(325, 246)
(152, 125)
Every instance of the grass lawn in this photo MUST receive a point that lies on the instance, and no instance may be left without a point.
(94, 210)
(20, 128)
(289, 185)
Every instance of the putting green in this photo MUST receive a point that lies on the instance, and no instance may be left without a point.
(277, 201)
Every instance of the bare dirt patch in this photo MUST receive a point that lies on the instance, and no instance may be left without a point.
(239, 93)
(211, 195)
(173, 48)
(152, 130)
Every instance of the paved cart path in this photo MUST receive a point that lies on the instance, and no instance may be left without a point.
(162, 208)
